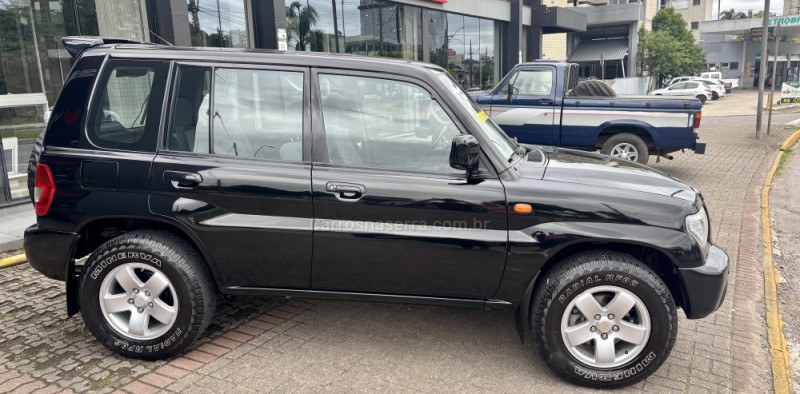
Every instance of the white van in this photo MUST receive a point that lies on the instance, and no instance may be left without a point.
(718, 75)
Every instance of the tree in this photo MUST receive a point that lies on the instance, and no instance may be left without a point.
(301, 21)
(731, 14)
(669, 50)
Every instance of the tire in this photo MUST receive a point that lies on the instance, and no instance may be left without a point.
(33, 161)
(702, 98)
(150, 324)
(571, 283)
(714, 96)
(626, 146)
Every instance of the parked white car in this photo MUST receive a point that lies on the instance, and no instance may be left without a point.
(689, 88)
(718, 75)
(716, 85)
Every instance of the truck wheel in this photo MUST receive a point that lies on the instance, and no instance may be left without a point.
(603, 319)
(626, 146)
(702, 98)
(147, 295)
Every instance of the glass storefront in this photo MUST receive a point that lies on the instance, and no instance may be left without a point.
(34, 66)
(218, 23)
(464, 45)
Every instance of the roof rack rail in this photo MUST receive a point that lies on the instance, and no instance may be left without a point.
(77, 44)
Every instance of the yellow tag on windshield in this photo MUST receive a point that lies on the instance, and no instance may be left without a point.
(481, 117)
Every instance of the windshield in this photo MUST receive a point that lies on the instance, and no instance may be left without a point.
(501, 141)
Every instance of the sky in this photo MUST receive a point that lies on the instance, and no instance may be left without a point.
(775, 6)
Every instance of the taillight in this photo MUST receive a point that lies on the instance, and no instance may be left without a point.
(45, 189)
(697, 117)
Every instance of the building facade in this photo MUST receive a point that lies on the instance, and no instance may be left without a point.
(693, 11)
(477, 41)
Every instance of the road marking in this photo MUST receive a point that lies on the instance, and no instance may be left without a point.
(13, 260)
(777, 341)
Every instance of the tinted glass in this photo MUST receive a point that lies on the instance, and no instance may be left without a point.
(375, 122)
(257, 113)
(690, 85)
(190, 110)
(127, 105)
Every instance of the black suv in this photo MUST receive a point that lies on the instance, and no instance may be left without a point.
(184, 173)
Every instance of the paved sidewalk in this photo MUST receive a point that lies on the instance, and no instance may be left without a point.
(274, 344)
(13, 222)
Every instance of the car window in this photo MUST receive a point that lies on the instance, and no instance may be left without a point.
(678, 86)
(691, 85)
(127, 106)
(536, 82)
(190, 110)
(256, 113)
(374, 122)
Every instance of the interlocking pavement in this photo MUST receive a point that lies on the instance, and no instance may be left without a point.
(276, 344)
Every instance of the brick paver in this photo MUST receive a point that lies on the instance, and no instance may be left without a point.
(274, 344)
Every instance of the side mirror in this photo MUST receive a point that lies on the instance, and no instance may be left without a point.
(511, 92)
(465, 153)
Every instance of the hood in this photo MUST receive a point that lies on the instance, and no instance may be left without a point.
(591, 169)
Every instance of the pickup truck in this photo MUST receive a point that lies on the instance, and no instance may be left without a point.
(718, 75)
(543, 103)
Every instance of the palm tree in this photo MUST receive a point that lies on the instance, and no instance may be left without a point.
(731, 14)
(301, 21)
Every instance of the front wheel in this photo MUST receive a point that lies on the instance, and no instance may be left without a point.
(626, 146)
(603, 319)
(146, 294)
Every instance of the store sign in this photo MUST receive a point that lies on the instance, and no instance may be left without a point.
(789, 20)
(758, 32)
(790, 93)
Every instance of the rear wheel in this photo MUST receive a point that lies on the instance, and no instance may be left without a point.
(714, 95)
(603, 319)
(146, 294)
(702, 98)
(626, 146)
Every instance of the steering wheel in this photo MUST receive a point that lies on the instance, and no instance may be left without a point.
(438, 114)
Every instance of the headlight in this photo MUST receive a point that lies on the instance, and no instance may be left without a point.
(697, 225)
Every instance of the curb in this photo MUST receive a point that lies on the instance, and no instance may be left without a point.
(13, 260)
(777, 341)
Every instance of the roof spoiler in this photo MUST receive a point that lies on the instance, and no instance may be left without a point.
(77, 44)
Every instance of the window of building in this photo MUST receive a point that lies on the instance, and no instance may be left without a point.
(372, 122)
(127, 107)
(256, 113)
(465, 46)
(221, 23)
(695, 25)
(696, 2)
(733, 66)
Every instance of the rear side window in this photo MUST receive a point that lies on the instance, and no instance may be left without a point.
(691, 85)
(126, 107)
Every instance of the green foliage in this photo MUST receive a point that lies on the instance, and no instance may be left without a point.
(731, 14)
(301, 21)
(669, 50)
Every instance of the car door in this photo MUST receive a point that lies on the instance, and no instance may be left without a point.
(234, 172)
(675, 90)
(391, 216)
(691, 89)
(531, 114)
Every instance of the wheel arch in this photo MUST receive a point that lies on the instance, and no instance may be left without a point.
(655, 259)
(96, 232)
(640, 129)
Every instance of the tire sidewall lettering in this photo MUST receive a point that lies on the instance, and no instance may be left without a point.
(580, 284)
(119, 256)
(626, 373)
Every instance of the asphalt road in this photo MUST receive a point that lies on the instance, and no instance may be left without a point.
(785, 207)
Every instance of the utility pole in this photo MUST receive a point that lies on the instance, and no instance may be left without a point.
(335, 25)
(762, 68)
(774, 72)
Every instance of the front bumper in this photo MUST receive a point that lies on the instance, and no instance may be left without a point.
(706, 285)
(49, 251)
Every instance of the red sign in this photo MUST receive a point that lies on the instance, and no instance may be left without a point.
(439, 1)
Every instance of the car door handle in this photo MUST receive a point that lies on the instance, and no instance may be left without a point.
(183, 180)
(545, 101)
(346, 191)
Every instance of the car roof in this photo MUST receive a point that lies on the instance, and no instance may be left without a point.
(272, 57)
